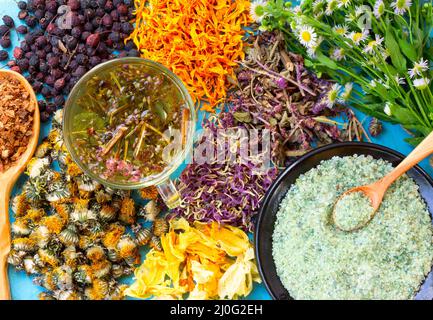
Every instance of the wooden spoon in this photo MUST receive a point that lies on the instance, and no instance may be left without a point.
(7, 181)
(376, 190)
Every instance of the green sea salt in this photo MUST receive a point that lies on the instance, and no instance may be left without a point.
(352, 210)
(388, 259)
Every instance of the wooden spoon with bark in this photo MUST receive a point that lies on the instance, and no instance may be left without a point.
(7, 181)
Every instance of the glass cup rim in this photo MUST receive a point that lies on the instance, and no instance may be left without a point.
(172, 166)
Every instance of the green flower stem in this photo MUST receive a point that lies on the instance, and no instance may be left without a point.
(419, 104)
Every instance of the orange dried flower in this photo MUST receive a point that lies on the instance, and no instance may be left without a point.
(73, 170)
(127, 211)
(199, 40)
(54, 223)
(149, 193)
(113, 235)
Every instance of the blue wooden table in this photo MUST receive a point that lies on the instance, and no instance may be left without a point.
(21, 284)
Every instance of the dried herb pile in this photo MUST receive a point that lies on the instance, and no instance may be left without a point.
(229, 193)
(199, 40)
(276, 92)
(198, 261)
(16, 120)
(78, 237)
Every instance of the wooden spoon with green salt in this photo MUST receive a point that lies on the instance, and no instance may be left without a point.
(355, 208)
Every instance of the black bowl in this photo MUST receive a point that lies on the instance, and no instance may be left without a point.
(272, 200)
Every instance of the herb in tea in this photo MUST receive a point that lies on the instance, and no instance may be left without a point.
(119, 129)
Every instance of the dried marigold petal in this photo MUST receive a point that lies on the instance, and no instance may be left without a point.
(199, 40)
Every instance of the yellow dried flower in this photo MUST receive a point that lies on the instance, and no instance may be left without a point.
(112, 237)
(73, 170)
(149, 193)
(54, 223)
(127, 211)
(35, 215)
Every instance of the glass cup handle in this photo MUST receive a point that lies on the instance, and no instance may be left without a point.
(169, 194)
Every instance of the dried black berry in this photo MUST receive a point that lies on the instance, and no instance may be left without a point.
(79, 72)
(29, 38)
(76, 32)
(22, 5)
(89, 14)
(18, 53)
(82, 59)
(22, 29)
(23, 64)
(3, 55)
(4, 30)
(107, 20)
(5, 42)
(45, 116)
(37, 86)
(122, 9)
(43, 67)
(115, 15)
(74, 4)
(93, 40)
(94, 61)
(23, 14)
(34, 61)
(39, 4)
(41, 42)
(127, 28)
(50, 107)
(109, 6)
(59, 101)
(39, 14)
(8, 21)
(51, 6)
(46, 92)
(31, 21)
(59, 84)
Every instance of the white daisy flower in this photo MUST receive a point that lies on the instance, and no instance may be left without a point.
(257, 10)
(333, 95)
(358, 37)
(318, 5)
(297, 10)
(399, 80)
(421, 83)
(338, 54)
(350, 17)
(373, 44)
(387, 109)
(401, 6)
(307, 36)
(359, 10)
(331, 7)
(418, 68)
(340, 29)
(379, 8)
(344, 3)
(348, 88)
